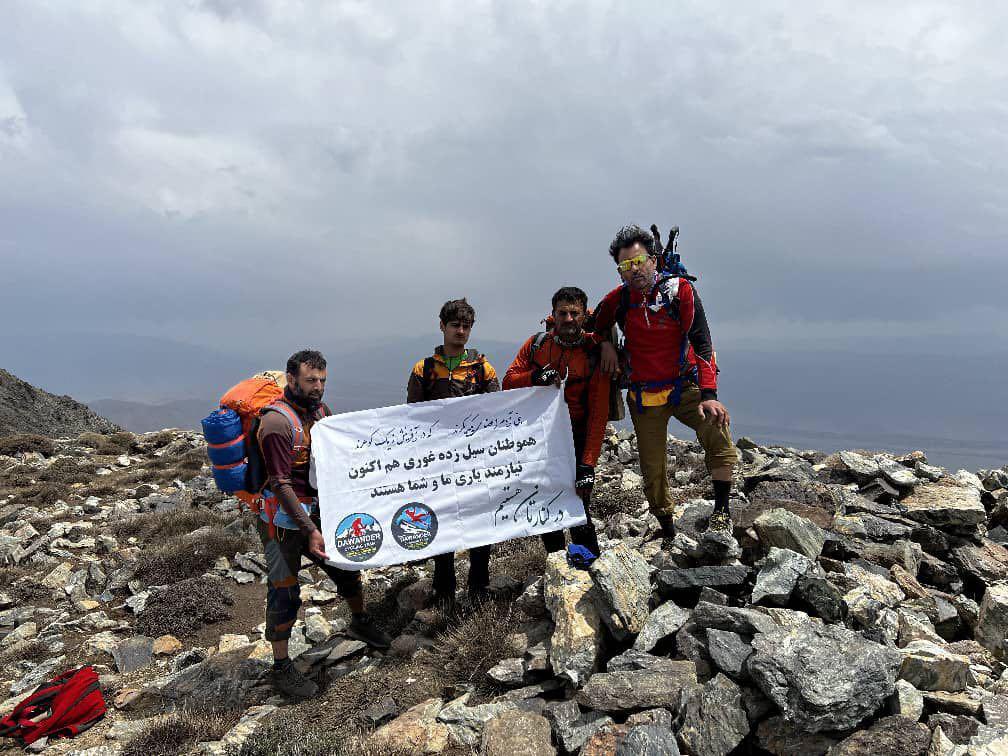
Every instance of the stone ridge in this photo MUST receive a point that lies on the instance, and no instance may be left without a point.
(27, 409)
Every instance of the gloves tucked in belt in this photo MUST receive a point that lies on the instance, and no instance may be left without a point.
(584, 477)
(545, 376)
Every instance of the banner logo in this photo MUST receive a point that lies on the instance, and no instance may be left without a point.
(414, 526)
(358, 537)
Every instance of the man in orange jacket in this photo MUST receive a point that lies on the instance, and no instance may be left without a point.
(547, 359)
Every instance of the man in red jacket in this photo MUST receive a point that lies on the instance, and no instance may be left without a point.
(546, 359)
(672, 371)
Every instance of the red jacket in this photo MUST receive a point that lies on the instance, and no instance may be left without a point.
(586, 392)
(654, 338)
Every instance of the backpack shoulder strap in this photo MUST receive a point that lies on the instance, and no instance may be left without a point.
(297, 429)
(428, 373)
(623, 306)
(538, 341)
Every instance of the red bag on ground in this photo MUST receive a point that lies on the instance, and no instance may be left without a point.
(65, 706)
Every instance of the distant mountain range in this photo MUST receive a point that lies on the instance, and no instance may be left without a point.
(955, 406)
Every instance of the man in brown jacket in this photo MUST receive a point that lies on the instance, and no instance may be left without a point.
(454, 371)
(289, 523)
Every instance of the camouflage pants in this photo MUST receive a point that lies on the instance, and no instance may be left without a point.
(283, 562)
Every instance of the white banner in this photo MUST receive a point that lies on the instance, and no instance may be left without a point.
(402, 483)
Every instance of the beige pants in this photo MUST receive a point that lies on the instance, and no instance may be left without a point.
(651, 426)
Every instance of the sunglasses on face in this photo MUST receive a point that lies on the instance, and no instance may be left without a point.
(627, 265)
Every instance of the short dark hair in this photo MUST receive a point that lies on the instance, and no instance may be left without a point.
(457, 309)
(571, 294)
(309, 357)
(630, 235)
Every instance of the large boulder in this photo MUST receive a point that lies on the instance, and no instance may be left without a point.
(518, 733)
(623, 578)
(947, 506)
(713, 720)
(627, 691)
(928, 666)
(992, 627)
(892, 736)
(778, 576)
(663, 622)
(416, 731)
(573, 602)
(786, 530)
(823, 677)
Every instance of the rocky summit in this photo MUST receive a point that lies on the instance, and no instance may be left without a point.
(859, 607)
(27, 409)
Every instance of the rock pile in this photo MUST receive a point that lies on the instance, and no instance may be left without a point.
(860, 606)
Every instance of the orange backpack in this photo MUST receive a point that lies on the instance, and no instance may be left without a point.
(248, 398)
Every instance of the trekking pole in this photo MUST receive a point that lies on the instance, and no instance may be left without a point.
(659, 249)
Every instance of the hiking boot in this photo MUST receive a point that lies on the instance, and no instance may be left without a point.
(667, 531)
(289, 681)
(720, 522)
(363, 628)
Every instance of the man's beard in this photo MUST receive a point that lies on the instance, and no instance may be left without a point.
(304, 399)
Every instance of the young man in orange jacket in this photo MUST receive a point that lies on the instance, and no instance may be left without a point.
(454, 371)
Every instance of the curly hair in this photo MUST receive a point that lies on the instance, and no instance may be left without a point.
(458, 309)
(309, 357)
(571, 294)
(630, 235)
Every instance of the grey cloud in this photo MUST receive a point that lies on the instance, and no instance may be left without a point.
(828, 167)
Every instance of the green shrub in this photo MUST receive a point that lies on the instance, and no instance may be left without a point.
(21, 443)
(114, 443)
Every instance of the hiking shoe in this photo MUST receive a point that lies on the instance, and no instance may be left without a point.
(720, 522)
(363, 628)
(289, 681)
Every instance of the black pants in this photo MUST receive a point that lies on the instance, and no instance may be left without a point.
(445, 583)
(583, 535)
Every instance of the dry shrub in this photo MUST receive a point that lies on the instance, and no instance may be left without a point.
(189, 555)
(160, 526)
(520, 558)
(28, 589)
(176, 732)
(176, 560)
(101, 488)
(68, 470)
(612, 500)
(114, 443)
(21, 476)
(331, 725)
(33, 650)
(192, 460)
(21, 443)
(42, 495)
(158, 440)
(182, 608)
(472, 644)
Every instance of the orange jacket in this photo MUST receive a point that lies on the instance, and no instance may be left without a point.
(586, 392)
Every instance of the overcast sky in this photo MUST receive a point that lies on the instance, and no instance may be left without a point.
(267, 168)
